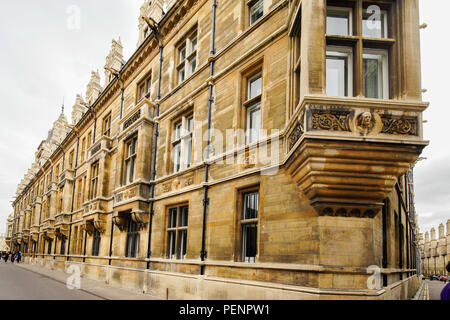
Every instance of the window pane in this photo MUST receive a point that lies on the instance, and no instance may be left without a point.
(193, 44)
(255, 87)
(374, 25)
(373, 76)
(256, 11)
(171, 245)
(181, 75)
(250, 241)
(338, 22)
(337, 76)
(177, 157)
(182, 54)
(251, 204)
(184, 216)
(182, 239)
(253, 122)
(188, 150)
(173, 218)
(193, 64)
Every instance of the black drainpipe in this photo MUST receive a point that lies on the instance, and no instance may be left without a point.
(84, 250)
(40, 211)
(400, 235)
(155, 150)
(73, 196)
(203, 253)
(385, 255)
(121, 101)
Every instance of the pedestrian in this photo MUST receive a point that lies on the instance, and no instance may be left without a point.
(13, 257)
(5, 257)
(445, 294)
(19, 256)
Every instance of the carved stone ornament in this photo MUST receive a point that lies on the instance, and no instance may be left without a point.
(100, 225)
(120, 222)
(365, 123)
(140, 218)
(88, 226)
(399, 125)
(330, 119)
(296, 135)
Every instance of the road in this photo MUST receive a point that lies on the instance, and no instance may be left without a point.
(435, 288)
(20, 284)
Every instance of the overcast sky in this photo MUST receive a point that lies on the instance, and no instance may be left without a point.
(45, 57)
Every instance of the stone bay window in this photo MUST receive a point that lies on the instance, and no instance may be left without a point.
(358, 49)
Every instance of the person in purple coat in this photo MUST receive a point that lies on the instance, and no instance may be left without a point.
(445, 294)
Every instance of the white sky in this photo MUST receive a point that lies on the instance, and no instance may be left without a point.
(42, 61)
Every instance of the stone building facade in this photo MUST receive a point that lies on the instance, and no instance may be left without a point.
(434, 250)
(247, 150)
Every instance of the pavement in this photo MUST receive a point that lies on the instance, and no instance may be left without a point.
(434, 288)
(33, 282)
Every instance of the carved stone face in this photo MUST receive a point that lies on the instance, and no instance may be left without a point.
(366, 119)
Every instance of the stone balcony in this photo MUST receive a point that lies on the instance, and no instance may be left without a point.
(104, 144)
(346, 154)
(132, 199)
(94, 214)
(144, 110)
(66, 175)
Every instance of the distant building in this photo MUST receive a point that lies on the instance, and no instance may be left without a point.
(141, 195)
(435, 250)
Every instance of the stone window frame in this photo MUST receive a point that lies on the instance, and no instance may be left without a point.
(94, 177)
(180, 138)
(250, 5)
(106, 125)
(295, 35)
(241, 222)
(133, 235)
(144, 87)
(71, 159)
(130, 158)
(96, 241)
(83, 150)
(255, 68)
(173, 252)
(184, 60)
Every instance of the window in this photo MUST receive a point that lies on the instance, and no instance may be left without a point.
(375, 74)
(83, 149)
(96, 243)
(63, 245)
(177, 232)
(89, 139)
(49, 249)
(187, 57)
(339, 71)
(345, 76)
(256, 9)
(375, 23)
(75, 240)
(80, 241)
(94, 180)
(71, 159)
(130, 160)
(253, 107)
(145, 88)
(132, 249)
(339, 21)
(249, 225)
(182, 143)
(107, 125)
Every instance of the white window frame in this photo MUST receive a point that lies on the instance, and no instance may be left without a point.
(371, 53)
(336, 51)
(181, 136)
(350, 19)
(190, 55)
